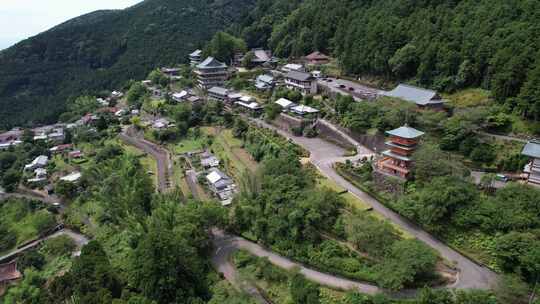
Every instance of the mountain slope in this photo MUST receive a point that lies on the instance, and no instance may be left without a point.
(103, 50)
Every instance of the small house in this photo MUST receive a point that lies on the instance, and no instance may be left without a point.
(293, 67)
(264, 82)
(317, 58)
(218, 93)
(303, 110)
(116, 95)
(73, 177)
(60, 148)
(219, 181)
(285, 104)
(209, 161)
(39, 162)
(252, 107)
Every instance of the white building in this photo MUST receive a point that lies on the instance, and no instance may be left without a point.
(39, 162)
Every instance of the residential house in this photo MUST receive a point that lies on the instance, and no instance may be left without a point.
(211, 73)
(252, 107)
(423, 98)
(10, 138)
(75, 154)
(73, 177)
(39, 162)
(304, 111)
(262, 57)
(532, 169)
(161, 123)
(302, 82)
(209, 161)
(103, 102)
(293, 67)
(264, 82)
(218, 93)
(180, 96)
(285, 104)
(317, 58)
(40, 175)
(60, 148)
(116, 95)
(221, 185)
(195, 58)
(193, 99)
(9, 273)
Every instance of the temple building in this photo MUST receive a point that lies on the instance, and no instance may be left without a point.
(532, 169)
(397, 160)
(211, 73)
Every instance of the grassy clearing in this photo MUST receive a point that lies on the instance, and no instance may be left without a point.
(469, 98)
(230, 151)
(187, 145)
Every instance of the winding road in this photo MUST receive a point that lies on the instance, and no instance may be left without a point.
(161, 155)
(79, 239)
(324, 155)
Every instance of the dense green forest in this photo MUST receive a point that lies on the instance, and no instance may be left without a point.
(446, 45)
(103, 50)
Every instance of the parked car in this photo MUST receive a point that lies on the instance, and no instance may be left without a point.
(502, 178)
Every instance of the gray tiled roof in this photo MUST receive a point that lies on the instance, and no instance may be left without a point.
(211, 63)
(300, 76)
(532, 149)
(414, 94)
(405, 132)
(218, 90)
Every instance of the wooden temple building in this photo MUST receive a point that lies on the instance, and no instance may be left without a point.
(402, 143)
(532, 169)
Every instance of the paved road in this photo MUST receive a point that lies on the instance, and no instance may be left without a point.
(160, 154)
(324, 155)
(79, 239)
(225, 245)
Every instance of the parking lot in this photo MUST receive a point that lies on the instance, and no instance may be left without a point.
(345, 87)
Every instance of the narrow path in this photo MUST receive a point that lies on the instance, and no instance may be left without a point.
(160, 154)
(503, 137)
(191, 179)
(324, 155)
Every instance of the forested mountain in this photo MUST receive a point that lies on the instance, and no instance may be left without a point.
(442, 44)
(103, 50)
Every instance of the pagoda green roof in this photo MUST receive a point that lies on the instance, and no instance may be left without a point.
(405, 132)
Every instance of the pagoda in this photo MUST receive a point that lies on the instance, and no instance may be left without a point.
(397, 160)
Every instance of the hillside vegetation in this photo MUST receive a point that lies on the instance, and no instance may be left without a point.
(103, 50)
(443, 44)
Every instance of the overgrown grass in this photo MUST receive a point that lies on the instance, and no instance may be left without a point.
(469, 98)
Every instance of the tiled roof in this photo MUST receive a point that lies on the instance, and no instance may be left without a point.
(300, 76)
(218, 91)
(211, 63)
(414, 94)
(405, 132)
(532, 149)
